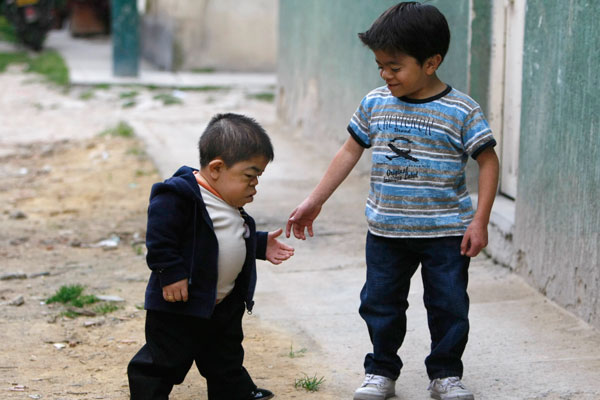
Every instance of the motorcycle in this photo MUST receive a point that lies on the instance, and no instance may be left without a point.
(32, 19)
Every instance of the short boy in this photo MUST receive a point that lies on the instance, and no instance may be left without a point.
(422, 132)
(202, 250)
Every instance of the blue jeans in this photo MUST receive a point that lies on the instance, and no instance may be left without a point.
(390, 265)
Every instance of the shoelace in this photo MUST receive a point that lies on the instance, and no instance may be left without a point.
(447, 383)
(376, 380)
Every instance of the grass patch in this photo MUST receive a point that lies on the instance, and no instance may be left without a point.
(203, 70)
(49, 64)
(7, 31)
(203, 88)
(168, 99)
(308, 383)
(73, 295)
(128, 95)
(122, 129)
(12, 58)
(105, 308)
(87, 95)
(263, 96)
(296, 353)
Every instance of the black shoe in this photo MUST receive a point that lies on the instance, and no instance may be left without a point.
(260, 394)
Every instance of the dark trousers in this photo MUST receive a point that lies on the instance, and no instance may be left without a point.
(390, 265)
(174, 341)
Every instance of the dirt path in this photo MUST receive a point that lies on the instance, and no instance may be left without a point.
(59, 200)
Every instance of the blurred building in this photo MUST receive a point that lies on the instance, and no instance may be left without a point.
(532, 65)
(225, 35)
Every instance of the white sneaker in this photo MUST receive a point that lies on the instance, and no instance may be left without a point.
(375, 387)
(450, 388)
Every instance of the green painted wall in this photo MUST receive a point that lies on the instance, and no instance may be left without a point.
(324, 70)
(557, 205)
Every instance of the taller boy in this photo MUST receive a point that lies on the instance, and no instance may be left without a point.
(422, 132)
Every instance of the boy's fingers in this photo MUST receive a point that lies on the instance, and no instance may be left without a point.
(464, 245)
(168, 296)
(299, 232)
(285, 247)
(288, 227)
(274, 234)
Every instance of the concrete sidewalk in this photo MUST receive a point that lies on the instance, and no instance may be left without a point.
(521, 345)
(90, 63)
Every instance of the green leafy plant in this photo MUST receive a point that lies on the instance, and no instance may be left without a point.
(105, 308)
(12, 58)
(122, 129)
(128, 95)
(308, 383)
(206, 70)
(48, 64)
(7, 31)
(263, 96)
(168, 99)
(87, 95)
(51, 65)
(297, 353)
(73, 295)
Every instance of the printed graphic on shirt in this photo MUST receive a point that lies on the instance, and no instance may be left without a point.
(420, 150)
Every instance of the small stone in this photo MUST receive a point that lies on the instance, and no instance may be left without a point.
(59, 346)
(13, 275)
(109, 243)
(115, 299)
(17, 301)
(18, 241)
(95, 322)
(38, 274)
(17, 214)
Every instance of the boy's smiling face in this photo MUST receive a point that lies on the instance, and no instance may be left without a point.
(237, 184)
(405, 77)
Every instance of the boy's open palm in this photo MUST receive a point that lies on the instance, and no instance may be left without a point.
(277, 252)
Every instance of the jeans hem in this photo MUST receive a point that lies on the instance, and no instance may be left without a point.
(445, 374)
(379, 372)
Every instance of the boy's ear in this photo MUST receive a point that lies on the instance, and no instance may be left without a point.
(432, 64)
(215, 167)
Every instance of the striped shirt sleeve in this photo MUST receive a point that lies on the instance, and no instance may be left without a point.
(359, 126)
(476, 133)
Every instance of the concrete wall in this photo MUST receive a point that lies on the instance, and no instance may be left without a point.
(324, 70)
(557, 205)
(225, 35)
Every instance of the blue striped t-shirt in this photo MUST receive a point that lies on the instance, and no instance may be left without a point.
(420, 150)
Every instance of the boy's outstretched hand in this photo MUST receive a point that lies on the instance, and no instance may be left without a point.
(277, 252)
(302, 218)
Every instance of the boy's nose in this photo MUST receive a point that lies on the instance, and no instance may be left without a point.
(385, 75)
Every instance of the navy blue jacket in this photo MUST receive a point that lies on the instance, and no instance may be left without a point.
(182, 244)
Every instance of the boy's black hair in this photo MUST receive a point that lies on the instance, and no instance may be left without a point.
(418, 30)
(233, 138)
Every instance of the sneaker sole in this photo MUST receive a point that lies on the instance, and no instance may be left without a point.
(465, 397)
(366, 396)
